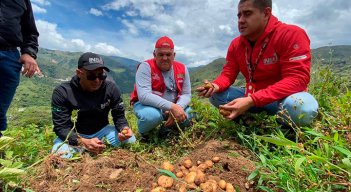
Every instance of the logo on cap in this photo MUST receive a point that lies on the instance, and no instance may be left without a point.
(96, 60)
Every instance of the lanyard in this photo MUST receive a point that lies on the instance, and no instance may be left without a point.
(251, 68)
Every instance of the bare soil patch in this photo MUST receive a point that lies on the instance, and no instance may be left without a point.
(123, 170)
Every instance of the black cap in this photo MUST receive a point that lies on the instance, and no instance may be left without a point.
(91, 61)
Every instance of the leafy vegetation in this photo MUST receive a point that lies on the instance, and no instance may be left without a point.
(312, 158)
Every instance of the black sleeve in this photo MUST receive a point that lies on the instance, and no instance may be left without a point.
(29, 32)
(61, 116)
(117, 108)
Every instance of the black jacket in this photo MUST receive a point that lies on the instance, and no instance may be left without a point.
(93, 109)
(17, 26)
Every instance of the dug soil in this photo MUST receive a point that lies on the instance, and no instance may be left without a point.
(122, 170)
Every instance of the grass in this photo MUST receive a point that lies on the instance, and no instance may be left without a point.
(314, 158)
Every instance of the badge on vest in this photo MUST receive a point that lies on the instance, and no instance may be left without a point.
(250, 89)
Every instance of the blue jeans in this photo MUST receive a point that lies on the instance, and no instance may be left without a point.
(109, 132)
(150, 117)
(301, 107)
(10, 69)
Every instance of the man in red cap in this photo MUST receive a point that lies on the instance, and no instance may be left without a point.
(162, 91)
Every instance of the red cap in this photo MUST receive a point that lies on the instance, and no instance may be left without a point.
(164, 42)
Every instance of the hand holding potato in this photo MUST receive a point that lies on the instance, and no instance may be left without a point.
(207, 89)
(125, 134)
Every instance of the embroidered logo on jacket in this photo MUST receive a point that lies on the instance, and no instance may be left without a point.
(271, 60)
(155, 76)
(104, 105)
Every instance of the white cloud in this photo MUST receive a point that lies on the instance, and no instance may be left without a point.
(50, 38)
(41, 2)
(95, 12)
(37, 9)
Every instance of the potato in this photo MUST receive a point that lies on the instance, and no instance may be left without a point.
(167, 166)
(208, 85)
(182, 167)
(229, 188)
(215, 159)
(208, 187)
(224, 112)
(214, 184)
(199, 178)
(179, 174)
(190, 177)
(182, 189)
(158, 189)
(187, 163)
(193, 168)
(198, 163)
(185, 172)
(222, 184)
(164, 181)
(124, 131)
(202, 167)
(209, 163)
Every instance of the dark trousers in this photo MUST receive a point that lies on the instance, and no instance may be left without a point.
(9, 79)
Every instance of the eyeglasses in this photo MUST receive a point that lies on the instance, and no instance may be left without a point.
(92, 77)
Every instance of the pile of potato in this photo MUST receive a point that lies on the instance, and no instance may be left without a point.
(193, 176)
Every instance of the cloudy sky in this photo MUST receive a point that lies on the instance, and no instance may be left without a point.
(200, 29)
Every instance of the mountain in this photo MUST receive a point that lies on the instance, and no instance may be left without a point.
(58, 66)
(336, 57)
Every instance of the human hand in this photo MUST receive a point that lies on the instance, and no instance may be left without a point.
(125, 134)
(170, 119)
(94, 145)
(178, 113)
(30, 66)
(207, 89)
(236, 107)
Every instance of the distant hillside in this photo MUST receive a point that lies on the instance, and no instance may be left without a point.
(58, 66)
(337, 57)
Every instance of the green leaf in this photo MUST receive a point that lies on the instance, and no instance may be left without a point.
(263, 160)
(253, 175)
(336, 137)
(138, 190)
(277, 141)
(316, 158)
(343, 150)
(298, 164)
(347, 162)
(10, 173)
(167, 173)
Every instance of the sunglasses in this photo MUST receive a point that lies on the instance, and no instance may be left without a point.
(92, 77)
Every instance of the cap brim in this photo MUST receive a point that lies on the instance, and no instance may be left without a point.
(93, 67)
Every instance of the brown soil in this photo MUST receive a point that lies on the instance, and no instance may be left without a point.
(123, 170)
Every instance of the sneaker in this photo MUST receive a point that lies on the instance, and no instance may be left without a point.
(145, 138)
(164, 131)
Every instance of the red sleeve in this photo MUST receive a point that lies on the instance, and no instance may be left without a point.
(295, 60)
(230, 70)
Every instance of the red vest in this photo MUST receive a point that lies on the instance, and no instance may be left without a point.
(157, 82)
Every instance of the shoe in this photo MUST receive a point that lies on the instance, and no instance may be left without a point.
(144, 138)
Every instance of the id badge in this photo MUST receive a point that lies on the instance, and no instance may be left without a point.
(250, 89)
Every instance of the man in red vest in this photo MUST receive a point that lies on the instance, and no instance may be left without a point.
(162, 90)
(275, 59)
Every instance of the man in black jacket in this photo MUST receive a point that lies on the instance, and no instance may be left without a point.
(93, 96)
(17, 29)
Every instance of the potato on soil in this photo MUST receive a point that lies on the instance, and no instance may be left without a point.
(229, 188)
(187, 163)
(208, 187)
(167, 166)
(190, 177)
(158, 189)
(179, 174)
(222, 184)
(199, 178)
(209, 163)
(164, 181)
(202, 167)
(215, 159)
